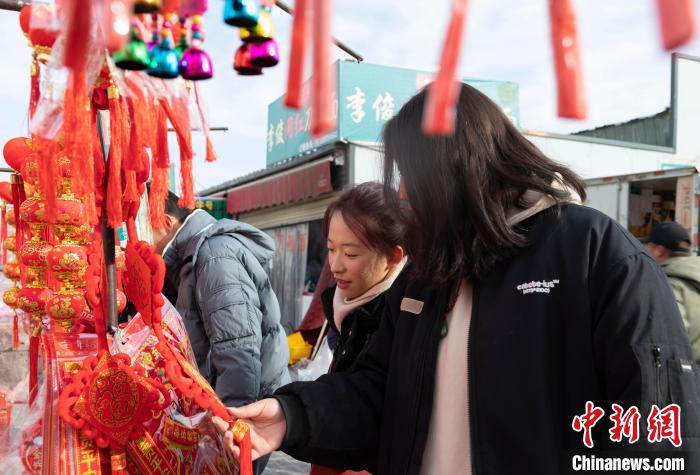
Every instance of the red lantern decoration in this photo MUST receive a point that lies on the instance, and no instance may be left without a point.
(65, 307)
(16, 151)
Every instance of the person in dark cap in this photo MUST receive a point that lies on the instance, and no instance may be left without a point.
(669, 244)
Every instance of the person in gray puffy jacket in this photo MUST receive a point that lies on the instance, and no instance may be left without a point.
(215, 276)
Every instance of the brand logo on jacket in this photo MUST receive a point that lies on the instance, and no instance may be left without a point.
(538, 286)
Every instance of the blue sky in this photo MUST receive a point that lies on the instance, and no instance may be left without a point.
(627, 72)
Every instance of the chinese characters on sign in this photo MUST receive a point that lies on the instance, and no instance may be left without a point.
(366, 97)
(662, 424)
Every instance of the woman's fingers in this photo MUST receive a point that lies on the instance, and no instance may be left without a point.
(219, 423)
(247, 412)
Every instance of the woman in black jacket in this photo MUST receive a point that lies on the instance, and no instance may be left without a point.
(521, 312)
(365, 256)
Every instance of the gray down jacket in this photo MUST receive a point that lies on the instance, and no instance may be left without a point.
(229, 309)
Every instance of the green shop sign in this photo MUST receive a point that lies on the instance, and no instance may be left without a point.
(367, 95)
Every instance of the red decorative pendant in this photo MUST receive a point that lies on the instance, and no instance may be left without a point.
(109, 401)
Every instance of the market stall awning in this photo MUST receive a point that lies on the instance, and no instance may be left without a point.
(305, 182)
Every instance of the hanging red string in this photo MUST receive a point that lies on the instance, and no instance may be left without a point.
(677, 22)
(178, 114)
(113, 204)
(210, 153)
(159, 169)
(297, 55)
(323, 80)
(79, 13)
(35, 89)
(79, 120)
(571, 98)
(443, 93)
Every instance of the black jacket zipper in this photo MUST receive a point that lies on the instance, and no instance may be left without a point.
(470, 386)
(656, 351)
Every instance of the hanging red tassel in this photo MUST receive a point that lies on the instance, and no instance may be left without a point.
(113, 204)
(18, 197)
(162, 154)
(178, 114)
(571, 98)
(323, 79)
(210, 153)
(3, 235)
(440, 105)
(33, 368)
(48, 171)
(35, 90)
(77, 32)
(79, 120)
(677, 22)
(15, 331)
(244, 443)
(297, 55)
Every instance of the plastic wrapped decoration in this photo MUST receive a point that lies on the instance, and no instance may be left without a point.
(571, 100)
(439, 112)
(146, 271)
(677, 22)
(195, 64)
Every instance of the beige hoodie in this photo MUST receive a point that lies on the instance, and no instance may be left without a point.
(448, 449)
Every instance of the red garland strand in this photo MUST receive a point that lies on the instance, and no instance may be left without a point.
(677, 22)
(571, 97)
(77, 33)
(323, 79)
(297, 55)
(443, 94)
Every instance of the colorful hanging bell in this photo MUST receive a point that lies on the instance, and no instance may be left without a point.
(147, 6)
(242, 64)
(195, 63)
(263, 31)
(264, 55)
(134, 56)
(241, 13)
(164, 63)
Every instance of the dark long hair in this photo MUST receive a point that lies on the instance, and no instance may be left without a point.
(366, 213)
(461, 187)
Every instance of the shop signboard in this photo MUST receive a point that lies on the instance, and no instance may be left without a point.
(365, 98)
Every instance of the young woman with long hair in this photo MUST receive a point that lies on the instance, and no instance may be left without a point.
(519, 307)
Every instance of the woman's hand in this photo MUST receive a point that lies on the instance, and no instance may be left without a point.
(267, 426)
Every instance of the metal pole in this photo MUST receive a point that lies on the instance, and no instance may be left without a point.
(286, 8)
(108, 246)
(14, 5)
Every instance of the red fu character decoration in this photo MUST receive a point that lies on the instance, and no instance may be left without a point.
(143, 285)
